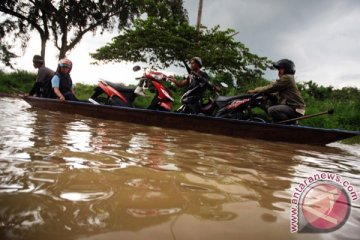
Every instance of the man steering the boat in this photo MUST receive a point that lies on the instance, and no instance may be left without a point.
(42, 86)
(197, 82)
(291, 104)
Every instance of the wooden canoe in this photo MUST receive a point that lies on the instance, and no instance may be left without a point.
(204, 124)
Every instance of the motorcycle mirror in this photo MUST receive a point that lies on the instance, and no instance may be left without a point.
(136, 68)
(224, 85)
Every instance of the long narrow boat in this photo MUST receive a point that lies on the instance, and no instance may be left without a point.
(204, 124)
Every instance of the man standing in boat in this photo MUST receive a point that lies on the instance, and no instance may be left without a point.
(291, 104)
(42, 86)
(62, 82)
(197, 82)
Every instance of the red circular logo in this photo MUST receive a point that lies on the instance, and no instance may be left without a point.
(325, 207)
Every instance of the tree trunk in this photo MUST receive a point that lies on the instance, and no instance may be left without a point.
(43, 46)
(62, 53)
(64, 46)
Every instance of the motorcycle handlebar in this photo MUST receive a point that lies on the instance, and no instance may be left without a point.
(188, 69)
(144, 78)
(255, 95)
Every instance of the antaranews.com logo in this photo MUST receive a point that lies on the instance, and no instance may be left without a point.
(321, 203)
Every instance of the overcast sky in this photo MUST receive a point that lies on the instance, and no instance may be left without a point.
(322, 37)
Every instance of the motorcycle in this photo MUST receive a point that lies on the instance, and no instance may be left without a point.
(119, 95)
(241, 107)
(235, 107)
(192, 99)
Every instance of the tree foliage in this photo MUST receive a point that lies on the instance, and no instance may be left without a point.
(19, 18)
(162, 42)
(6, 55)
(67, 21)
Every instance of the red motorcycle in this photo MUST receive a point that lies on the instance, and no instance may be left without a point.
(119, 95)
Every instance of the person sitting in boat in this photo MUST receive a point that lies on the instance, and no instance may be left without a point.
(62, 83)
(291, 104)
(42, 85)
(196, 84)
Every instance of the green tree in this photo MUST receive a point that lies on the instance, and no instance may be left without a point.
(67, 21)
(316, 91)
(161, 42)
(6, 54)
(19, 18)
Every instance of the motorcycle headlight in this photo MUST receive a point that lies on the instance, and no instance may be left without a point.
(157, 77)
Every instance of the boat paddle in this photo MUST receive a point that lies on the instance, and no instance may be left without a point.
(331, 111)
(17, 92)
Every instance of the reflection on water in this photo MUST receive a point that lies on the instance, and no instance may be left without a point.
(68, 176)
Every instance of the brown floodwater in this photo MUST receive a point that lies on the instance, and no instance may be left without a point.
(67, 176)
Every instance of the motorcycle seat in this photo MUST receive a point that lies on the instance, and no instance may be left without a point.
(120, 88)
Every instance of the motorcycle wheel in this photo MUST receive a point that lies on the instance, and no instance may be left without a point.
(102, 100)
(162, 109)
(243, 115)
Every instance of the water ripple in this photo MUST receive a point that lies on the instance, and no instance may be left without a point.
(79, 176)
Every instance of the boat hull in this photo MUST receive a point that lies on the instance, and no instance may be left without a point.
(204, 124)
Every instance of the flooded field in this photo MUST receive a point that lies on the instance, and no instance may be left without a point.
(71, 177)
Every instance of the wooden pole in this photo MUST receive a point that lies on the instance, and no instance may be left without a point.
(198, 23)
(331, 111)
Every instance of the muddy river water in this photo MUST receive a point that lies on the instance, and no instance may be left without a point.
(67, 176)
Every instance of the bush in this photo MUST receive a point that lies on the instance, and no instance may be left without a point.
(84, 91)
(16, 82)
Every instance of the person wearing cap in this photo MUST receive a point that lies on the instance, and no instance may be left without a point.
(43, 78)
(62, 82)
(291, 104)
(196, 84)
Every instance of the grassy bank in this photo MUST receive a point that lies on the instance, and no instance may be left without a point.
(15, 82)
(345, 102)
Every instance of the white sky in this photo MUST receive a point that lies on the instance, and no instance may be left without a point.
(322, 37)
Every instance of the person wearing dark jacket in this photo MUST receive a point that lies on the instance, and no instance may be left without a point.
(291, 104)
(196, 83)
(62, 82)
(42, 85)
